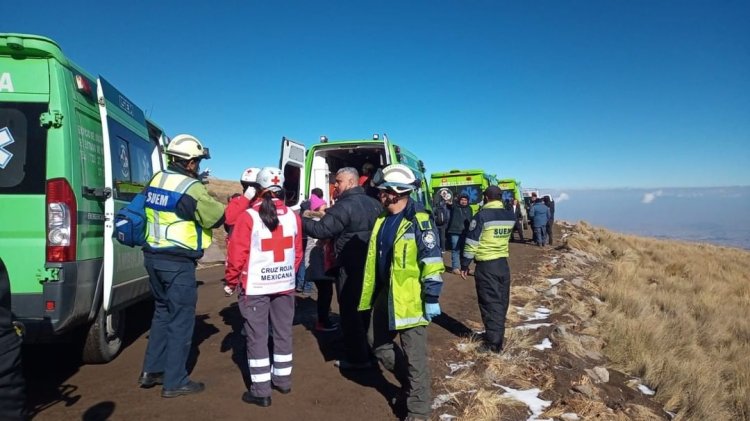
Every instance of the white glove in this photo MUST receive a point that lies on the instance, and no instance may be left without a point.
(250, 192)
(228, 290)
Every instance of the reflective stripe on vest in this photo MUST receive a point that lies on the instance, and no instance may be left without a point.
(493, 240)
(407, 274)
(165, 228)
(270, 266)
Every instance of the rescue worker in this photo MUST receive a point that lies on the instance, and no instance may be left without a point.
(349, 222)
(240, 204)
(402, 284)
(487, 244)
(12, 387)
(180, 215)
(262, 261)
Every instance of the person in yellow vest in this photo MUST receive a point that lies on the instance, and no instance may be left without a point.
(402, 284)
(180, 215)
(487, 244)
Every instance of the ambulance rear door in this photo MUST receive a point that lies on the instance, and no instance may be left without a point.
(131, 158)
(292, 165)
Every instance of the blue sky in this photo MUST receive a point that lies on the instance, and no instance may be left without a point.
(575, 94)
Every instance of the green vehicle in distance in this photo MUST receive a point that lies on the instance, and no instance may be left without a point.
(73, 150)
(316, 166)
(512, 189)
(451, 184)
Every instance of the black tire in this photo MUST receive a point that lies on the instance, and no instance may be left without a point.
(103, 343)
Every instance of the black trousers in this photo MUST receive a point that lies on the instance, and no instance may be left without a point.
(353, 322)
(325, 296)
(550, 224)
(12, 387)
(493, 292)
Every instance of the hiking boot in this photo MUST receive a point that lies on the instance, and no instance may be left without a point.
(149, 380)
(190, 388)
(327, 326)
(264, 401)
(346, 365)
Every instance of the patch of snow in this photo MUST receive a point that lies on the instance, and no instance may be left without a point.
(554, 281)
(531, 398)
(546, 344)
(554, 260)
(533, 326)
(479, 332)
(645, 390)
(459, 366)
(540, 313)
(463, 347)
(446, 417)
(440, 400)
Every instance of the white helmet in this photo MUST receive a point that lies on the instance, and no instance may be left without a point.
(185, 146)
(250, 175)
(270, 178)
(398, 178)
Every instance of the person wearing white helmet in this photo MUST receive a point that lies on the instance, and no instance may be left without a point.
(238, 205)
(262, 261)
(180, 215)
(402, 285)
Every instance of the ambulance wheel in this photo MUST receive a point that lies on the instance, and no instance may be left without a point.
(104, 338)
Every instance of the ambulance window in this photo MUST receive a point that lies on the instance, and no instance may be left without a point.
(291, 184)
(131, 166)
(23, 148)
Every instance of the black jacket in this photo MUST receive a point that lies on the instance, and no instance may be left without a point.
(349, 222)
(460, 218)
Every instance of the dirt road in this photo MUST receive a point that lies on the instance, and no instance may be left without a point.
(61, 389)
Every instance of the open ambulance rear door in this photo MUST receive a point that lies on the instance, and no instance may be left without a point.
(292, 164)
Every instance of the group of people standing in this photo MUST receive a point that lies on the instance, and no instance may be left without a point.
(383, 256)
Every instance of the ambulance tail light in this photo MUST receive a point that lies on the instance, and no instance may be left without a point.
(83, 86)
(61, 221)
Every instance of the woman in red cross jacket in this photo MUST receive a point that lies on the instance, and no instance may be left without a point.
(262, 261)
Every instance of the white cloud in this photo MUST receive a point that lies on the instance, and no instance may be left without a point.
(562, 197)
(650, 197)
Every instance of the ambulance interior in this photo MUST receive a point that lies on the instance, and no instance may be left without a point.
(327, 161)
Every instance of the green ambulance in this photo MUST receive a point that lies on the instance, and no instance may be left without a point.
(73, 150)
(513, 187)
(453, 183)
(316, 166)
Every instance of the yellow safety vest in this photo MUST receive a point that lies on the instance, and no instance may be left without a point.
(409, 270)
(165, 228)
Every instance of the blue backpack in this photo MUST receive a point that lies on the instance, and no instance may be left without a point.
(130, 222)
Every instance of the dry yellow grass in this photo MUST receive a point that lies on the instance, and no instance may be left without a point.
(677, 315)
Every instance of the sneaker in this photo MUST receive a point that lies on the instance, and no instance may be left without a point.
(346, 365)
(190, 388)
(328, 326)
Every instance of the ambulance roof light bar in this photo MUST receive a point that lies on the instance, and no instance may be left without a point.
(323, 139)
